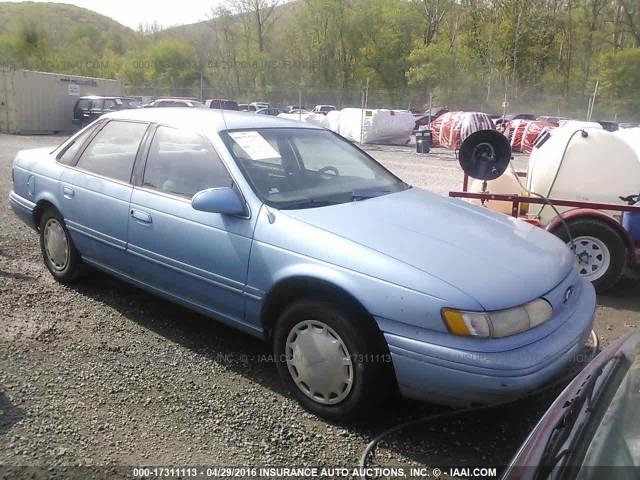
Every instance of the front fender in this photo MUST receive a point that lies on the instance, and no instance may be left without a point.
(271, 265)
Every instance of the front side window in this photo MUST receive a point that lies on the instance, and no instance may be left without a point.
(183, 163)
(302, 168)
(112, 152)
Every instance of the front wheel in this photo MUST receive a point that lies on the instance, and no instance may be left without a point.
(600, 251)
(333, 362)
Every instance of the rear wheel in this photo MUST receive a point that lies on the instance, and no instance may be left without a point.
(58, 251)
(334, 363)
(601, 254)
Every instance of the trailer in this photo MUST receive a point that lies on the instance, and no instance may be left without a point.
(41, 102)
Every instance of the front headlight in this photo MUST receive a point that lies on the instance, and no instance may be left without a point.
(499, 323)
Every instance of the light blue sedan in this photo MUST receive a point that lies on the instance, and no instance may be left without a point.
(361, 283)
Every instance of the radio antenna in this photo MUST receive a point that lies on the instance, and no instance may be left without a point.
(224, 120)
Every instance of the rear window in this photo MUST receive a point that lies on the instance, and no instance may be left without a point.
(113, 150)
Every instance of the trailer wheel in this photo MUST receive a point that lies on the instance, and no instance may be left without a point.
(601, 254)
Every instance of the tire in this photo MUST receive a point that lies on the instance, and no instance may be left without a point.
(355, 338)
(603, 244)
(64, 268)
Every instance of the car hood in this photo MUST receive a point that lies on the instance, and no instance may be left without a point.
(498, 260)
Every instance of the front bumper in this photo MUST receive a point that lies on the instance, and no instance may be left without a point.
(460, 377)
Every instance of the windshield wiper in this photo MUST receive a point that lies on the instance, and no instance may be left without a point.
(583, 401)
(364, 194)
(304, 203)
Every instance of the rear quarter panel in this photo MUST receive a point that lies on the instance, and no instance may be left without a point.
(36, 176)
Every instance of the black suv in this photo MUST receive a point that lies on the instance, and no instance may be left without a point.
(87, 109)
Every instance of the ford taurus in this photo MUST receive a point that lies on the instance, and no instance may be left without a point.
(361, 283)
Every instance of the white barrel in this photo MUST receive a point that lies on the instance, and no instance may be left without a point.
(596, 167)
(631, 136)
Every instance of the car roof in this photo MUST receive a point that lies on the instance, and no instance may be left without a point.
(175, 100)
(100, 97)
(206, 120)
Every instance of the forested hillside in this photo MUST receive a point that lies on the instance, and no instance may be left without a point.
(544, 55)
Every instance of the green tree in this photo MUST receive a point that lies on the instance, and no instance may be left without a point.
(620, 80)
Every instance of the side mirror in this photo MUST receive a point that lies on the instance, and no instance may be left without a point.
(223, 200)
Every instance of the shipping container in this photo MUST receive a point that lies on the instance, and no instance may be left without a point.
(40, 102)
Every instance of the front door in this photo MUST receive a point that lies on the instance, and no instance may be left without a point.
(201, 258)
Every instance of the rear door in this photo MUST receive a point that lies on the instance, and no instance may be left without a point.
(96, 189)
(198, 257)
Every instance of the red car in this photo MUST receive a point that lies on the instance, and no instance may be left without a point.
(593, 426)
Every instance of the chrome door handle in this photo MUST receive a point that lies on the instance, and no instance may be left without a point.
(68, 192)
(141, 216)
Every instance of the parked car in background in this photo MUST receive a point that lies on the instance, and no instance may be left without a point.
(361, 283)
(323, 109)
(87, 109)
(422, 121)
(592, 426)
(553, 120)
(243, 107)
(514, 116)
(221, 104)
(255, 106)
(294, 108)
(609, 125)
(270, 111)
(176, 102)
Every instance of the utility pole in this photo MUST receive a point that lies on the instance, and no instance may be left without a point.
(592, 101)
(365, 100)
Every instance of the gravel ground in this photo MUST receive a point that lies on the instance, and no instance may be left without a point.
(105, 374)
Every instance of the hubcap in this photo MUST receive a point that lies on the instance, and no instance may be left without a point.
(592, 257)
(55, 244)
(319, 362)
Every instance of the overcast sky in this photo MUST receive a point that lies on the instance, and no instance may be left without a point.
(133, 12)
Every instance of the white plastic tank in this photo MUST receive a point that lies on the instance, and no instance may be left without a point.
(588, 164)
(333, 118)
(374, 125)
(314, 118)
(575, 124)
(631, 136)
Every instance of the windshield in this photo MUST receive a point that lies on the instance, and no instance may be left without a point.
(301, 168)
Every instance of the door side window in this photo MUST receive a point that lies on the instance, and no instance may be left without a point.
(69, 153)
(96, 104)
(183, 163)
(112, 152)
(109, 104)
